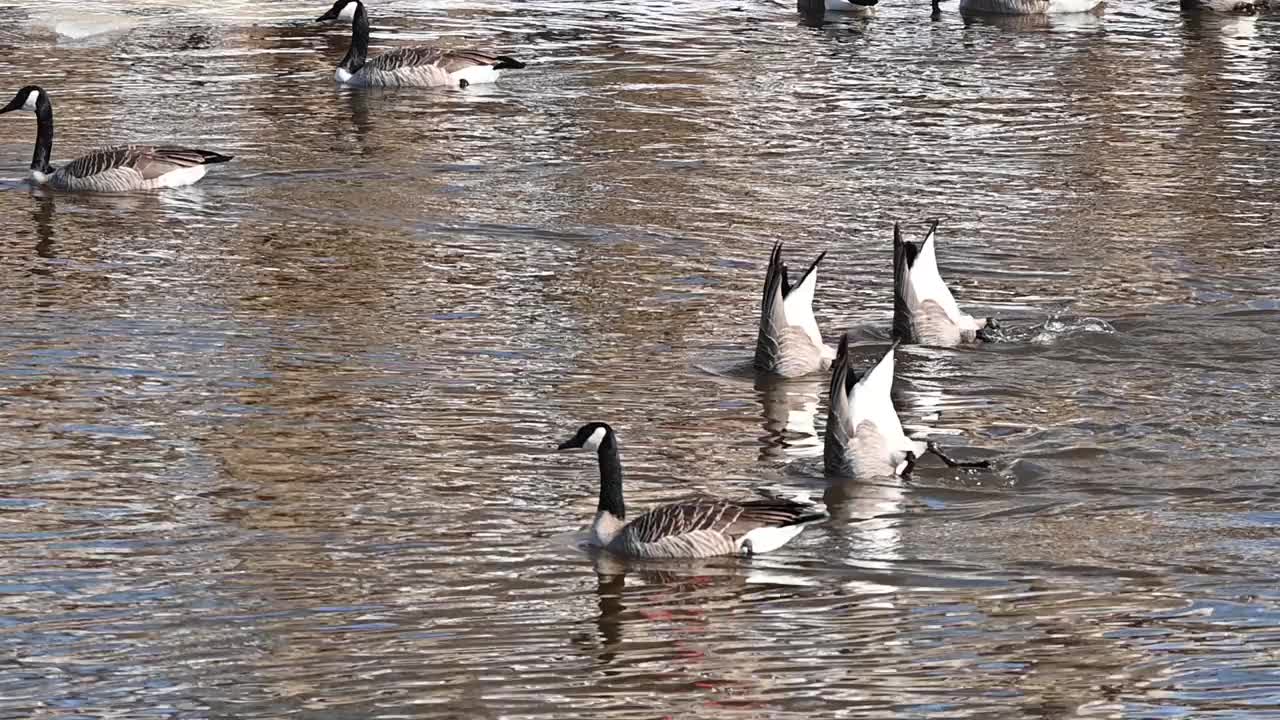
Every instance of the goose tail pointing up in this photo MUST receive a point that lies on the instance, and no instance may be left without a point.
(789, 343)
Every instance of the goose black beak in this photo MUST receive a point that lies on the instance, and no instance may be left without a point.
(13, 105)
(331, 15)
(568, 445)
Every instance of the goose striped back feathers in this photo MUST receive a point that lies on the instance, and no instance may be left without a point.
(707, 527)
(135, 167)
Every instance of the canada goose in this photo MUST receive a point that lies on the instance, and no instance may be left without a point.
(864, 435)
(113, 169)
(1030, 7)
(697, 527)
(410, 66)
(789, 343)
(924, 311)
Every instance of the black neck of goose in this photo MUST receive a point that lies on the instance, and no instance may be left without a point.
(359, 50)
(611, 478)
(44, 135)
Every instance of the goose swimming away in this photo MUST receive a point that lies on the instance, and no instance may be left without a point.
(410, 66)
(789, 343)
(924, 311)
(698, 527)
(113, 169)
(864, 434)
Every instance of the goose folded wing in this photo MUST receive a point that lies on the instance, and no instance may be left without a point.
(732, 519)
(147, 160)
(409, 57)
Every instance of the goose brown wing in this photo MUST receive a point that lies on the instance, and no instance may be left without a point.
(447, 60)
(150, 161)
(721, 516)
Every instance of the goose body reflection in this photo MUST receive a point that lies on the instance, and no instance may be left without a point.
(409, 66)
(924, 310)
(113, 169)
(1229, 7)
(789, 343)
(696, 527)
(790, 410)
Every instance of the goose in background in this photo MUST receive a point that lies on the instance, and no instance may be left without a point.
(924, 311)
(692, 528)
(1030, 7)
(864, 436)
(410, 66)
(789, 343)
(112, 169)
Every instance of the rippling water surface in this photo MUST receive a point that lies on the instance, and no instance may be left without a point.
(278, 445)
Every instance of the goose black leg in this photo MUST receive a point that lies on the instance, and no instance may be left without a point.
(951, 463)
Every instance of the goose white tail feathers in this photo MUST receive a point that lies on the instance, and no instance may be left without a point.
(789, 343)
(864, 434)
(924, 310)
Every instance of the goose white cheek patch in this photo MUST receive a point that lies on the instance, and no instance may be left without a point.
(348, 12)
(32, 98)
(593, 442)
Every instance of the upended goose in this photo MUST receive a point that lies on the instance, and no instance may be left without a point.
(112, 169)
(410, 66)
(864, 436)
(789, 343)
(924, 311)
(698, 527)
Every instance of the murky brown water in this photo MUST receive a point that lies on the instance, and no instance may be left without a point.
(278, 445)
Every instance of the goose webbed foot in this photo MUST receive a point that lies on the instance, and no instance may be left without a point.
(990, 331)
(462, 84)
(953, 463)
(910, 464)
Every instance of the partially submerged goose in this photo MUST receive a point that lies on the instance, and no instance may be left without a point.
(410, 66)
(924, 311)
(864, 435)
(698, 527)
(113, 169)
(1030, 7)
(789, 343)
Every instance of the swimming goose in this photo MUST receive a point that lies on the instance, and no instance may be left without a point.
(113, 169)
(924, 311)
(410, 66)
(1030, 7)
(864, 435)
(789, 343)
(698, 527)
